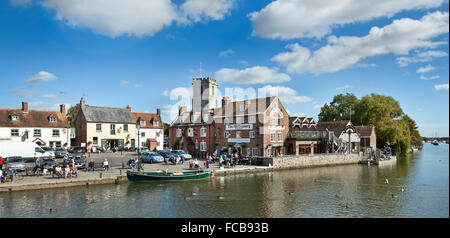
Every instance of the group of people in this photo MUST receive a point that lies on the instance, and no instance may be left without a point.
(175, 160)
(9, 173)
(67, 169)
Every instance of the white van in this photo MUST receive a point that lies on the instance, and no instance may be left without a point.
(28, 150)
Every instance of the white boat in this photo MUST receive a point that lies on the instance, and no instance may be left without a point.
(389, 160)
(435, 142)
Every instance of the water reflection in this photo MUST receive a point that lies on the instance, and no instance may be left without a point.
(418, 187)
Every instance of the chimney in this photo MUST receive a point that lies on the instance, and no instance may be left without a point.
(82, 102)
(25, 107)
(182, 108)
(225, 101)
(129, 108)
(62, 108)
(158, 112)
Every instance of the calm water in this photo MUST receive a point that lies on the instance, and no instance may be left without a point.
(344, 191)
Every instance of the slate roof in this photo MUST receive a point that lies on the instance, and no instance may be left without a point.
(107, 114)
(34, 118)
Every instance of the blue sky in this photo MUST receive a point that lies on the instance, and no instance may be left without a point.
(118, 53)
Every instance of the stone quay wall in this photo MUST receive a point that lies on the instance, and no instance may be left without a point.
(305, 161)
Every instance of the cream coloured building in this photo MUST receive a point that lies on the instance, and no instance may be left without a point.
(105, 127)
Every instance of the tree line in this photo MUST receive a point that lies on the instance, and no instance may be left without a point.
(392, 126)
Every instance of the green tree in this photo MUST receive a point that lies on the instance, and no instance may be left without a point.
(339, 109)
(72, 114)
(416, 138)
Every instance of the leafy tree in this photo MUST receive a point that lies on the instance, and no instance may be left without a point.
(72, 114)
(166, 127)
(339, 109)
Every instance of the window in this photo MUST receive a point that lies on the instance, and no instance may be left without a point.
(226, 135)
(269, 151)
(276, 121)
(226, 120)
(95, 140)
(143, 123)
(52, 119)
(112, 129)
(203, 132)
(98, 127)
(239, 120)
(142, 134)
(255, 151)
(252, 134)
(143, 144)
(37, 132)
(238, 134)
(249, 151)
(125, 128)
(55, 133)
(280, 136)
(272, 137)
(196, 145)
(191, 132)
(14, 132)
(155, 123)
(202, 146)
(14, 117)
(242, 107)
(205, 117)
(252, 119)
(178, 132)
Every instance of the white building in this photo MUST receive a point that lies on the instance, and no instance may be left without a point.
(151, 132)
(45, 128)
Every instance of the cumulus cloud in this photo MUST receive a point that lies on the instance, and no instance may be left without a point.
(124, 82)
(289, 19)
(440, 87)
(42, 77)
(421, 57)
(203, 10)
(21, 92)
(253, 75)
(429, 78)
(226, 52)
(426, 69)
(286, 95)
(399, 37)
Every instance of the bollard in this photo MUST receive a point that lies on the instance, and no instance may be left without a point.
(123, 165)
(101, 174)
(120, 172)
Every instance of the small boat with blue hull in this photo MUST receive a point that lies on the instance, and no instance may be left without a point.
(138, 176)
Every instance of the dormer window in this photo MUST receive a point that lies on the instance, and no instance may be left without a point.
(14, 117)
(52, 119)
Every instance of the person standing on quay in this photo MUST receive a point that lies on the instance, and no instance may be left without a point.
(1, 163)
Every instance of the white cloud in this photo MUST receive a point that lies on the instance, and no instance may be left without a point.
(49, 96)
(138, 85)
(425, 69)
(47, 106)
(318, 106)
(175, 93)
(344, 87)
(440, 87)
(124, 82)
(203, 10)
(421, 57)
(289, 19)
(21, 92)
(399, 37)
(115, 17)
(226, 52)
(244, 62)
(253, 75)
(286, 95)
(429, 78)
(42, 77)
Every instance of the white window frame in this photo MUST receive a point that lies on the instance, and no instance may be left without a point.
(178, 132)
(239, 119)
(205, 117)
(53, 119)
(252, 134)
(238, 134)
(14, 117)
(96, 127)
(55, 134)
(190, 132)
(37, 134)
(280, 136)
(273, 137)
(242, 107)
(226, 134)
(196, 144)
(252, 119)
(203, 146)
(203, 132)
(14, 134)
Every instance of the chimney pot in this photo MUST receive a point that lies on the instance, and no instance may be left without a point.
(25, 106)
(62, 108)
(158, 112)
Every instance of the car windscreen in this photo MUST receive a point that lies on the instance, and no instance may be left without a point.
(153, 153)
(14, 160)
(48, 160)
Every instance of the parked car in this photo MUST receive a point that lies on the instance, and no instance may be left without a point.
(50, 150)
(60, 152)
(151, 157)
(164, 154)
(142, 149)
(182, 153)
(80, 161)
(16, 163)
(97, 149)
(49, 162)
(78, 150)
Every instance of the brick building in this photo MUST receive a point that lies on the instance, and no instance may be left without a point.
(255, 127)
(368, 136)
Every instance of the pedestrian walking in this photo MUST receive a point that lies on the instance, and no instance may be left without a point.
(1, 163)
(106, 164)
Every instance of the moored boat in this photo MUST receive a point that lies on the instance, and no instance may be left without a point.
(390, 160)
(136, 176)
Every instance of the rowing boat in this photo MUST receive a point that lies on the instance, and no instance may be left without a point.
(136, 176)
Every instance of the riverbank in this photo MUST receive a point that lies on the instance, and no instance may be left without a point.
(117, 174)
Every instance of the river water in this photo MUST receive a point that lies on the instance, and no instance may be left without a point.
(418, 187)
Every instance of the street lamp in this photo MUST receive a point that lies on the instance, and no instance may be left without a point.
(138, 126)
